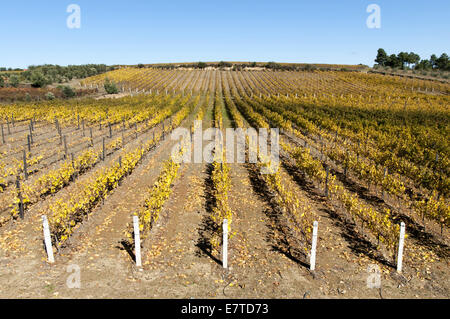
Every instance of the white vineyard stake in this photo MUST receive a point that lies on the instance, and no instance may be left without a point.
(313, 246)
(48, 241)
(137, 241)
(225, 244)
(401, 243)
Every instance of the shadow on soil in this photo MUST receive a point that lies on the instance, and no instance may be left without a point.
(415, 230)
(356, 242)
(279, 234)
(128, 247)
(208, 227)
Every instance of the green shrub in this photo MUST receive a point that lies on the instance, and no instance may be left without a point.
(50, 96)
(38, 79)
(223, 64)
(14, 81)
(110, 87)
(201, 65)
(68, 92)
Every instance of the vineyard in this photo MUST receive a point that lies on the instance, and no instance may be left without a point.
(360, 154)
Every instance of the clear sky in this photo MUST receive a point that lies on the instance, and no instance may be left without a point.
(132, 31)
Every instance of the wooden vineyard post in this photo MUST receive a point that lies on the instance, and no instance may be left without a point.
(25, 173)
(110, 130)
(65, 147)
(82, 126)
(9, 129)
(29, 143)
(12, 120)
(322, 155)
(137, 241)
(326, 181)
(78, 126)
(120, 161)
(3, 135)
(20, 197)
(401, 243)
(92, 136)
(225, 244)
(123, 139)
(103, 152)
(312, 260)
(385, 175)
(346, 163)
(31, 135)
(47, 240)
(58, 129)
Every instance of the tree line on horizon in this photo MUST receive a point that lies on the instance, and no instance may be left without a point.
(42, 75)
(412, 60)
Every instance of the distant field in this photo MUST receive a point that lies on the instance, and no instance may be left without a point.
(256, 64)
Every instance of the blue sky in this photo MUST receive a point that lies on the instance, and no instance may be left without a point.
(131, 31)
